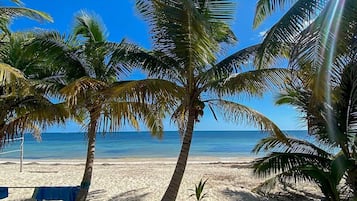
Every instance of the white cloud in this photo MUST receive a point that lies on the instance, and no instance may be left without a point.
(263, 33)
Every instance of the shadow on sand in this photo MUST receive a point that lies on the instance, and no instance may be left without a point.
(132, 195)
(247, 195)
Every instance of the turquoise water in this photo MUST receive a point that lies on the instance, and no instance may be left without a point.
(140, 144)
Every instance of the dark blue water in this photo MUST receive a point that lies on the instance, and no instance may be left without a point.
(140, 144)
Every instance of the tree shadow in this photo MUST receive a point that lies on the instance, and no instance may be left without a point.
(293, 196)
(96, 195)
(132, 195)
(242, 195)
(288, 195)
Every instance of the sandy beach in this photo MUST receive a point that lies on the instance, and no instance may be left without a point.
(141, 179)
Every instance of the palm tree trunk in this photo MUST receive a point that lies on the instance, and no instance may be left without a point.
(87, 177)
(172, 189)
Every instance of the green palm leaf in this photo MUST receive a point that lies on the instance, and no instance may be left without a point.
(239, 114)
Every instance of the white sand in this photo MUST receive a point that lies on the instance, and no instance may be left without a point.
(140, 179)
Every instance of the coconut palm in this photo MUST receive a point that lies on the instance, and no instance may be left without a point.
(25, 108)
(330, 123)
(325, 50)
(187, 38)
(92, 88)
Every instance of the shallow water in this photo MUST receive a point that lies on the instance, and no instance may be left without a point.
(140, 144)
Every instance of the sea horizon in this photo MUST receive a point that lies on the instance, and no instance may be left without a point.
(140, 144)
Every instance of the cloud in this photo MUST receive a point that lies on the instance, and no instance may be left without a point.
(263, 33)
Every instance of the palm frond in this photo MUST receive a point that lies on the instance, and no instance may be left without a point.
(280, 162)
(182, 29)
(238, 113)
(81, 88)
(154, 63)
(9, 74)
(11, 12)
(295, 146)
(281, 37)
(89, 26)
(253, 83)
(145, 91)
(121, 113)
(30, 114)
(229, 65)
(265, 8)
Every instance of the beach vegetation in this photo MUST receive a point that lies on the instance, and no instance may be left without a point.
(321, 39)
(93, 89)
(188, 37)
(25, 107)
(198, 191)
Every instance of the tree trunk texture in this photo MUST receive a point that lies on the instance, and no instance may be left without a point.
(87, 177)
(172, 189)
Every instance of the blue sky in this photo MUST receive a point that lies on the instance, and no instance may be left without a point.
(122, 21)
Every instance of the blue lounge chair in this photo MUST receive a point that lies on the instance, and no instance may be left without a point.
(65, 193)
(4, 192)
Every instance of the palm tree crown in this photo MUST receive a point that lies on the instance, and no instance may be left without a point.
(187, 37)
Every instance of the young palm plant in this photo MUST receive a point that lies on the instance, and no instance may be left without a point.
(92, 87)
(187, 38)
(198, 191)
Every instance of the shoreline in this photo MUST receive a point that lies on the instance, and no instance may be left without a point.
(133, 160)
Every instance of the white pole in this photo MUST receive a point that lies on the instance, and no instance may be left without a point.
(21, 151)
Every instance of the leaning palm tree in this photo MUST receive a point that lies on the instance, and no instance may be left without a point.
(92, 87)
(187, 38)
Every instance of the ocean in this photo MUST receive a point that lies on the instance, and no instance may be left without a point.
(139, 144)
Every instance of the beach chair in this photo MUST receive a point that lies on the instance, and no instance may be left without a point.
(4, 192)
(65, 193)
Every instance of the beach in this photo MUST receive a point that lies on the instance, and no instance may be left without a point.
(141, 179)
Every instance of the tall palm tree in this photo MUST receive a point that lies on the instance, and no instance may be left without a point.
(23, 106)
(187, 38)
(92, 88)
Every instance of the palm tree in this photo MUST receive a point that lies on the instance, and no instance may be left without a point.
(325, 49)
(187, 38)
(25, 106)
(91, 70)
(330, 123)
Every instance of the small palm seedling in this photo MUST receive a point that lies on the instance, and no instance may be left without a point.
(199, 195)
